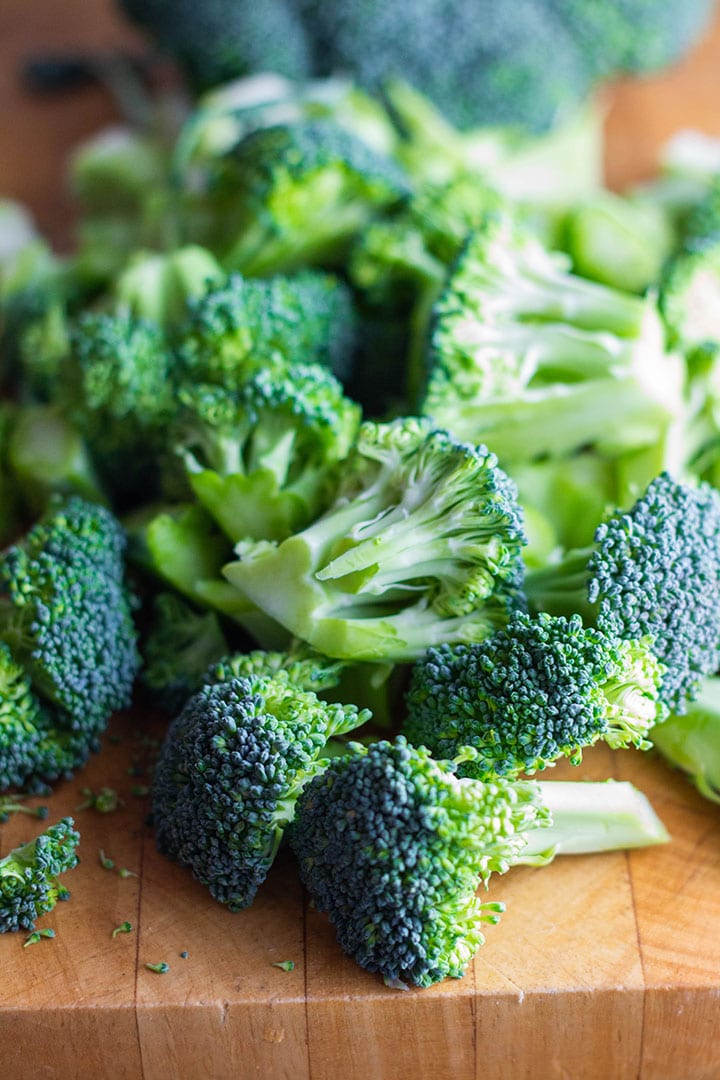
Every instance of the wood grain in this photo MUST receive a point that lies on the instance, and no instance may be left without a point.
(605, 967)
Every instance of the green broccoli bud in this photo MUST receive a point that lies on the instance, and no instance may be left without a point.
(28, 876)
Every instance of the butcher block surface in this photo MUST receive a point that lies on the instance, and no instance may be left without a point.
(602, 967)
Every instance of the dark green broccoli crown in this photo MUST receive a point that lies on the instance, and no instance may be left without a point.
(540, 690)
(305, 668)
(28, 876)
(220, 40)
(67, 615)
(179, 647)
(655, 571)
(118, 392)
(392, 846)
(229, 773)
(237, 329)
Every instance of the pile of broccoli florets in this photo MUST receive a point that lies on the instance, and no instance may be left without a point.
(344, 423)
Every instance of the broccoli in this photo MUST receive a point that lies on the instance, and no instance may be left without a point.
(691, 741)
(421, 546)
(537, 361)
(178, 648)
(117, 391)
(8, 489)
(392, 845)
(28, 876)
(43, 347)
(221, 40)
(305, 668)
(157, 288)
(240, 327)
(67, 615)
(297, 194)
(541, 689)
(229, 773)
(263, 460)
(654, 572)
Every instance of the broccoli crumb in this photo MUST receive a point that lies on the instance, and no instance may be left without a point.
(13, 804)
(184, 954)
(139, 791)
(38, 935)
(123, 928)
(105, 862)
(159, 969)
(106, 801)
(123, 872)
(286, 965)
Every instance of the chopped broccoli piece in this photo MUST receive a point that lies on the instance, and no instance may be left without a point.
(540, 690)
(160, 969)
(691, 741)
(229, 773)
(67, 614)
(14, 804)
(237, 329)
(651, 572)
(392, 845)
(123, 928)
(421, 546)
(298, 193)
(37, 936)
(263, 460)
(28, 876)
(179, 647)
(537, 361)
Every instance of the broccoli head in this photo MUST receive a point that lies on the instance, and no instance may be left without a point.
(540, 690)
(298, 193)
(67, 615)
(421, 546)
(393, 845)
(237, 329)
(229, 773)
(28, 876)
(653, 572)
(262, 460)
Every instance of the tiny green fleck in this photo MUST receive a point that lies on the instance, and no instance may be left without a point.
(286, 965)
(123, 872)
(105, 862)
(184, 954)
(123, 928)
(38, 935)
(159, 969)
(140, 790)
(106, 801)
(135, 770)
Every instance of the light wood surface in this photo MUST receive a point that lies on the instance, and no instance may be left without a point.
(605, 967)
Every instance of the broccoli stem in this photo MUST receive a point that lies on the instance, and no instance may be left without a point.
(590, 817)
(692, 741)
(562, 586)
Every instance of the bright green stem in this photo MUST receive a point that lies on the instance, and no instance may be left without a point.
(561, 587)
(590, 817)
(692, 742)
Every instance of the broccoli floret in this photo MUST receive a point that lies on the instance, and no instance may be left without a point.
(263, 460)
(298, 193)
(28, 876)
(43, 348)
(651, 572)
(537, 361)
(304, 667)
(421, 546)
(540, 690)
(690, 295)
(118, 392)
(33, 749)
(229, 773)
(178, 648)
(392, 845)
(238, 329)
(692, 741)
(67, 615)
(158, 288)
(221, 40)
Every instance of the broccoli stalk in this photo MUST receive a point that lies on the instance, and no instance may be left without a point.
(392, 845)
(422, 545)
(692, 741)
(537, 361)
(651, 572)
(28, 876)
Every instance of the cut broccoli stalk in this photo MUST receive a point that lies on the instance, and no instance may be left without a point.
(422, 545)
(400, 883)
(28, 876)
(537, 361)
(653, 571)
(692, 741)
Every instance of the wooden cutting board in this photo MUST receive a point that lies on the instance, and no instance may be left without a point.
(603, 967)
